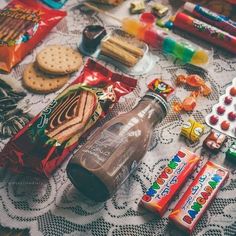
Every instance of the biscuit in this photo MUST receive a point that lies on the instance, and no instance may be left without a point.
(58, 60)
(39, 82)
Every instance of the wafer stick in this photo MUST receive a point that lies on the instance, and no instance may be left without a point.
(127, 46)
(7, 31)
(118, 53)
(3, 25)
(14, 29)
(27, 26)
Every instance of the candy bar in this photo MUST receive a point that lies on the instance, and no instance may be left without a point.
(44, 143)
(192, 130)
(214, 141)
(198, 196)
(159, 195)
(231, 153)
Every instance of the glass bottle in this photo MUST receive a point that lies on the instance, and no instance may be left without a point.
(112, 153)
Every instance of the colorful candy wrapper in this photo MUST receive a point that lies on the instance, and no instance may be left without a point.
(214, 141)
(162, 88)
(159, 195)
(192, 130)
(44, 143)
(23, 24)
(55, 3)
(198, 196)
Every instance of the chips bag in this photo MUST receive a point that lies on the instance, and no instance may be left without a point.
(44, 143)
(23, 24)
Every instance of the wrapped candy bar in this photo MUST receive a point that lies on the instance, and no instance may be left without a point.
(24, 23)
(44, 143)
(159, 195)
(198, 196)
(214, 141)
(192, 130)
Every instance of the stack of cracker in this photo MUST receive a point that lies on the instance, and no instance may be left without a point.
(51, 69)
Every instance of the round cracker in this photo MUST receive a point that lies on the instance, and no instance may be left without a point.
(59, 60)
(37, 81)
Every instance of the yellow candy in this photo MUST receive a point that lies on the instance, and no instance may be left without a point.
(133, 27)
(200, 58)
(192, 130)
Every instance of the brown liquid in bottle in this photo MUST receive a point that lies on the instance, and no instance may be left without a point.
(115, 150)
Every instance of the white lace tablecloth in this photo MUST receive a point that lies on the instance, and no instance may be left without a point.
(54, 207)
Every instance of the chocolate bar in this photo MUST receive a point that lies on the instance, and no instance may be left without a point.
(198, 196)
(159, 195)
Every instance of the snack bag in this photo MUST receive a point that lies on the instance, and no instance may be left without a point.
(44, 143)
(23, 24)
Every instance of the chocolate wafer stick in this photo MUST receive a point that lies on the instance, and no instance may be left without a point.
(13, 30)
(18, 29)
(23, 29)
(8, 30)
(3, 25)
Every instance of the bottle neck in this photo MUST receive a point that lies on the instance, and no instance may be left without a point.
(151, 108)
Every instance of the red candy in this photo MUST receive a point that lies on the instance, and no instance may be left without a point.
(220, 110)
(214, 119)
(232, 116)
(147, 18)
(233, 91)
(225, 125)
(228, 100)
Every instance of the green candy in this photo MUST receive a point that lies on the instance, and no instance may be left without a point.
(231, 153)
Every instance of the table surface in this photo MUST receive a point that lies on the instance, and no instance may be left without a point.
(54, 207)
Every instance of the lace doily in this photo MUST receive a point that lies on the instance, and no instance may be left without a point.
(54, 207)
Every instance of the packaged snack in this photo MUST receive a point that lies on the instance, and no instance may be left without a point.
(13, 116)
(159, 195)
(198, 196)
(137, 7)
(159, 9)
(223, 114)
(43, 144)
(205, 31)
(24, 24)
(231, 153)
(55, 3)
(192, 130)
(214, 141)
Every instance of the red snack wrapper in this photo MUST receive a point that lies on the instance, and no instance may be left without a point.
(198, 196)
(44, 143)
(23, 24)
(159, 195)
(205, 31)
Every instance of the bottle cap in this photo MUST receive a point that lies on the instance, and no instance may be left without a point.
(158, 98)
(188, 6)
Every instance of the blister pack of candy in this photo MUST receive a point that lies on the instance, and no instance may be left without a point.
(223, 115)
